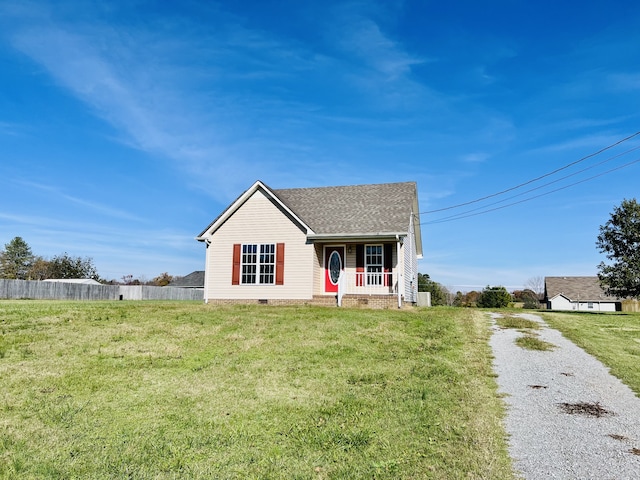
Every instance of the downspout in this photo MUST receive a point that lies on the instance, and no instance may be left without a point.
(207, 242)
(397, 269)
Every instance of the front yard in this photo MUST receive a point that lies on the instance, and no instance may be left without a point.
(186, 390)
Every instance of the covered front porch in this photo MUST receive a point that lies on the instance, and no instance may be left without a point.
(358, 273)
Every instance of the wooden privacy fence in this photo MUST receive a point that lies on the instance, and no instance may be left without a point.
(630, 306)
(23, 289)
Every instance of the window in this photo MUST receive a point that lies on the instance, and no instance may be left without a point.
(589, 304)
(258, 264)
(373, 264)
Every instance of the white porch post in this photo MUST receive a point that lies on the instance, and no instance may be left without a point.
(398, 273)
(341, 286)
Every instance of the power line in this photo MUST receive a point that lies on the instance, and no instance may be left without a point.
(455, 216)
(534, 179)
(463, 215)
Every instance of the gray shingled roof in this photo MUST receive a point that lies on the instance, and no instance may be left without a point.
(354, 209)
(584, 289)
(193, 280)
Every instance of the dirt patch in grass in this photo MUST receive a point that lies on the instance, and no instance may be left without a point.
(585, 408)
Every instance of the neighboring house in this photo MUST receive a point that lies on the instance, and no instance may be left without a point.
(352, 245)
(578, 293)
(193, 280)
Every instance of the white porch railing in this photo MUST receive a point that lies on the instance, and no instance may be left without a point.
(367, 283)
(361, 283)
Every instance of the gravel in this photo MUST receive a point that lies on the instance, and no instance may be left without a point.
(567, 417)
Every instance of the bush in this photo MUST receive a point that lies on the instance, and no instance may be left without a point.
(494, 297)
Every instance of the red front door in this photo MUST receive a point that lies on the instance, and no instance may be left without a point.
(333, 265)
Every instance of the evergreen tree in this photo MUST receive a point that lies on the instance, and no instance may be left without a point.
(16, 259)
(494, 297)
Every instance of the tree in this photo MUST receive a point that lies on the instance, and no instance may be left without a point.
(494, 297)
(619, 240)
(471, 298)
(162, 280)
(40, 269)
(65, 266)
(438, 292)
(16, 259)
(536, 284)
(530, 299)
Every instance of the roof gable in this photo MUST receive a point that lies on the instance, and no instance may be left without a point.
(583, 289)
(238, 202)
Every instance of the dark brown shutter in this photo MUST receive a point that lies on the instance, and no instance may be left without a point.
(280, 264)
(388, 257)
(359, 265)
(388, 262)
(235, 272)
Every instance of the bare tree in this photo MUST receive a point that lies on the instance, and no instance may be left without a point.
(536, 284)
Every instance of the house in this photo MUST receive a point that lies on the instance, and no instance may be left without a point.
(193, 280)
(345, 245)
(578, 293)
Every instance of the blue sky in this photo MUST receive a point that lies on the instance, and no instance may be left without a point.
(126, 127)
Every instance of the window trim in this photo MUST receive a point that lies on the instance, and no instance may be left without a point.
(258, 264)
(374, 277)
(272, 257)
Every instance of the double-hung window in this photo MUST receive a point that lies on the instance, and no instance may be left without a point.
(374, 264)
(258, 264)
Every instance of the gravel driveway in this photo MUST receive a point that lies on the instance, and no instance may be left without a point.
(567, 416)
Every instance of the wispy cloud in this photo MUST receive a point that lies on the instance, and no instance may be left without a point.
(229, 104)
(625, 82)
(366, 41)
(95, 207)
(477, 157)
(11, 129)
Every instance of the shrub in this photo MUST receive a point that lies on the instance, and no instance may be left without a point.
(494, 297)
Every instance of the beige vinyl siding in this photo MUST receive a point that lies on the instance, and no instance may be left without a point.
(259, 221)
(318, 269)
(410, 265)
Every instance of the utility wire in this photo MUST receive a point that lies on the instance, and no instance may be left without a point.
(534, 179)
(463, 214)
(460, 216)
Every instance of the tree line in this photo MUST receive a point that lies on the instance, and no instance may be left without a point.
(18, 262)
(489, 297)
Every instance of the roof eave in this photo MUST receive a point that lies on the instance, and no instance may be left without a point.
(353, 237)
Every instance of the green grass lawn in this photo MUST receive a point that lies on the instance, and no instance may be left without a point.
(613, 338)
(186, 390)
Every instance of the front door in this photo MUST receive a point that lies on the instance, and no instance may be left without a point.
(333, 265)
